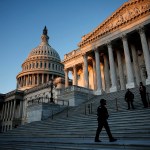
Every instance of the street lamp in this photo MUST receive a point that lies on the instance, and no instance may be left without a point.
(51, 91)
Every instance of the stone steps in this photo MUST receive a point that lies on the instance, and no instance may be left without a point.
(74, 144)
(77, 132)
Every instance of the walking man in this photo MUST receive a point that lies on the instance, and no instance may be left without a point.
(102, 114)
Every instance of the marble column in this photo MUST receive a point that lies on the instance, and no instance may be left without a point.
(38, 79)
(94, 74)
(120, 70)
(21, 82)
(146, 53)
(13, 109)
(130, 77)
(149, 43)
(112, 68)
(86, 78)
(106, 73)
(42, 78)
(4, 111)
(7, 111)
(28, 80)
(135, 64)
(47, 78)
(3, 108)
(74, 75)
(66, 78)
(24, 106)
(98, 73)
(10, 114)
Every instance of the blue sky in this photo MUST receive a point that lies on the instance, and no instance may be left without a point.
(22, 23)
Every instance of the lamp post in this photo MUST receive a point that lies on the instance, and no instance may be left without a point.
(51, 91)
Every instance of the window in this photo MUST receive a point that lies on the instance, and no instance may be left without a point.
(37, 65)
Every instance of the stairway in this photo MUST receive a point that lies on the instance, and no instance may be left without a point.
(73, 130)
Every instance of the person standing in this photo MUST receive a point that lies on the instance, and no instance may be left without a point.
(129, 97)
(102, 114)
(142, 90)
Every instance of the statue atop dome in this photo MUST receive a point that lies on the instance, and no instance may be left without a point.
(44, 36)
(45, 31)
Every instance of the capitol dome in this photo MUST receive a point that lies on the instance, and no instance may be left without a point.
(42, 64)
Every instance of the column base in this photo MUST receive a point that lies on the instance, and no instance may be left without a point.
(147, 81)
(130, 85)
(98, 92)
(113, 89)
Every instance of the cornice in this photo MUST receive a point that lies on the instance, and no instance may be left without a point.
(39, 72)
(14, 92)
(124, 15)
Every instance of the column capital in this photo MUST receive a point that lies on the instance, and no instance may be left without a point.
(109, 43)
(84, 54)
(141, 30)
(95, 48)
(124, 37)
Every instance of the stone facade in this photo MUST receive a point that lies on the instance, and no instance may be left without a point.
(116, 55)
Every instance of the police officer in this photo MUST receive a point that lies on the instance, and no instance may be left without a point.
(142, 90)
(129, 97)
(102, 114)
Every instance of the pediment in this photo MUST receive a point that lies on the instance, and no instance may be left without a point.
(127, 12)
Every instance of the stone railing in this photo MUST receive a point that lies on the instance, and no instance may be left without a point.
(42, 100)
(75, 88)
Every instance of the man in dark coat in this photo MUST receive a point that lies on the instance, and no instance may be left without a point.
(142, 90)
(102, 114)
(129, 97)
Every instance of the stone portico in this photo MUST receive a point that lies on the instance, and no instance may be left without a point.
(116, 55)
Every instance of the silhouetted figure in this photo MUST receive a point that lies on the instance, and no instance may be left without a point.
(129, 97)
(102, 114)
(142, 90)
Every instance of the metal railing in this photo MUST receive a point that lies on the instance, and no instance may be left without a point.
(117, 104)
(88, 108)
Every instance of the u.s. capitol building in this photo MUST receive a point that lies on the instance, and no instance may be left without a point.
(113, 57)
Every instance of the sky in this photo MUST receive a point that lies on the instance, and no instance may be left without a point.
(22, 23)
